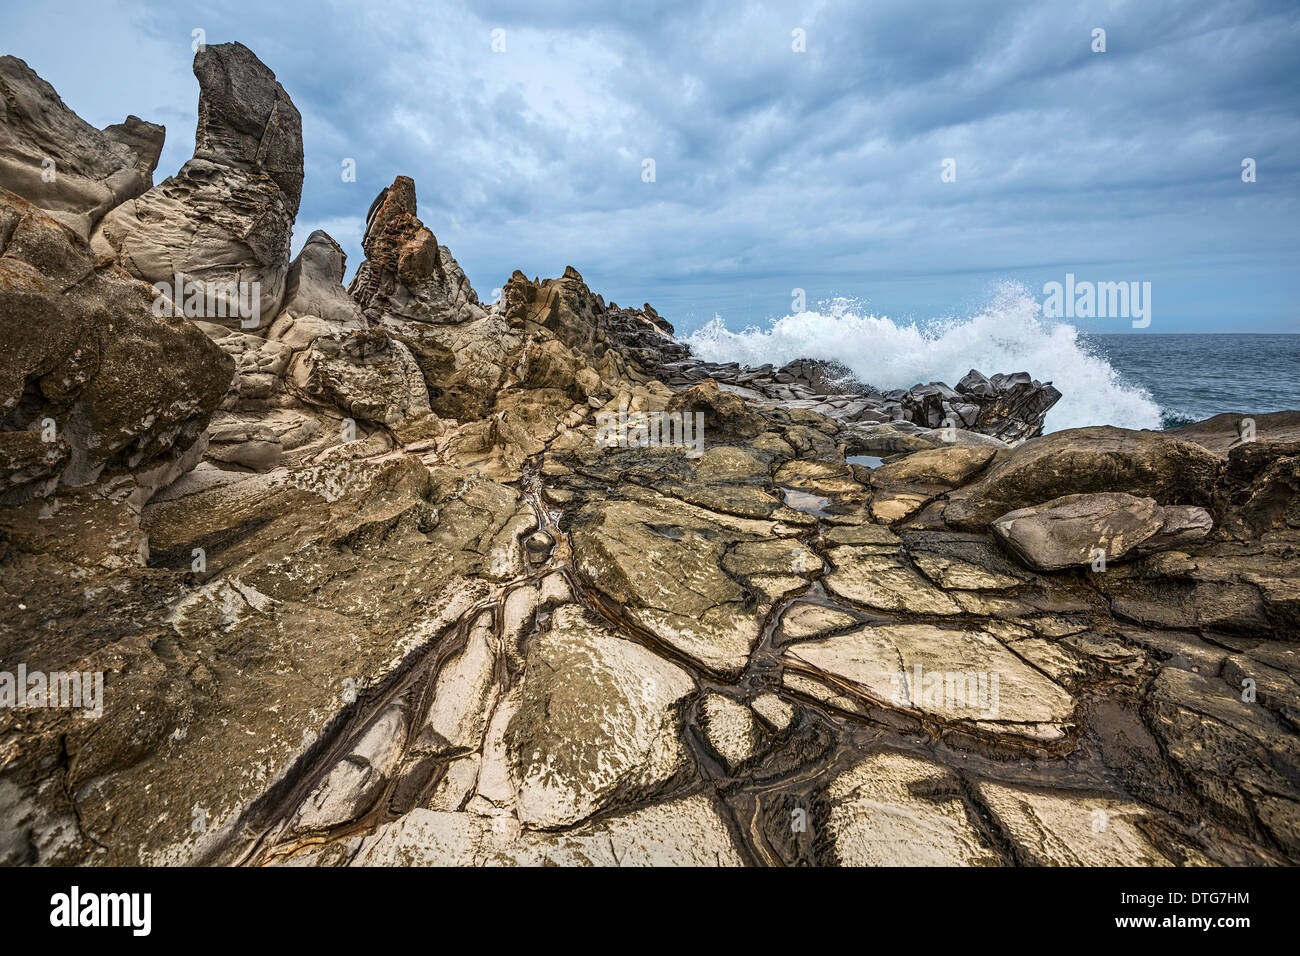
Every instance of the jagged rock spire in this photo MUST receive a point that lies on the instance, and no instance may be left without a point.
(406, 272)
(246, 117)
(227, 216)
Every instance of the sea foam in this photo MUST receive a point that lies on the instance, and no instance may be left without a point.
(1009, 334)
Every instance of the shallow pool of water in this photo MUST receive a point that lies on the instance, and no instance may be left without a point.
(805, 502)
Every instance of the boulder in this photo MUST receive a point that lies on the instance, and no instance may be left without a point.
(367, 375)
(975, 383)
(1086, 460)
(823, 377)
(319, 363)
(726, 416)
(933, 470)
(313, 289)
(1016, 409)
(1264, 487)
(1071, 530)
(564, 306)
(91, 381)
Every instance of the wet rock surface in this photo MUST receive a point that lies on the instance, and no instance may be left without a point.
(399, 578)
(1010, 408)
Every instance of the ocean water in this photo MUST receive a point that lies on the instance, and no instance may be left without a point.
(1134, 381)
(1192, 377)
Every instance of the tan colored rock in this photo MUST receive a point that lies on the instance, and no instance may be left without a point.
(803, 620)
(355, 781)
(598, 716)
(686, 832)
(885, 582)
(1086, 461)
(463, 694)
(1052, 829)
(58, 162)
(226, 217)
(663, 563)
(90, 378)
(726, 417)
(933, 470)
(730, 729)
(776, 712)
(1072, 531)
(895, 810)
(889, 509)
(957, 674)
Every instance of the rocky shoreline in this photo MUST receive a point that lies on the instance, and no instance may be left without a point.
(365, 587)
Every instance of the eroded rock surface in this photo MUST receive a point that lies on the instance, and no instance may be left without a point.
(53, 158)
(1083, 461)
(226, 217)
(1075, 530)
(396, 577)
(92, 381)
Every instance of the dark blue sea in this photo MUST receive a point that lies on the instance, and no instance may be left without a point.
(1192, 377)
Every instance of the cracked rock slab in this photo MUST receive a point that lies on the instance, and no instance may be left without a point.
(896, 810)
(666, 564)
(884, 582)
(685, 832)
(1053, 829)
(955, 674)
(599, 716)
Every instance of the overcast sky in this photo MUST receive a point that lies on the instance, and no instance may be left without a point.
(774, 169)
